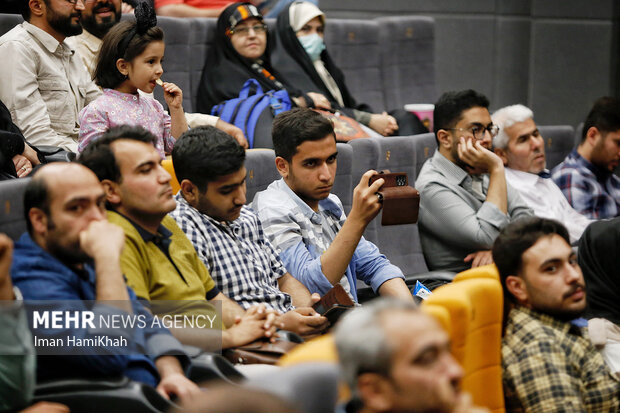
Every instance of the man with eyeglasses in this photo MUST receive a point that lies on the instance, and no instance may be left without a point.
(464, 198)
(44, 84)
(522, 149)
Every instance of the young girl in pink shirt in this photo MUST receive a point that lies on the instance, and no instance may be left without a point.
(130, 60)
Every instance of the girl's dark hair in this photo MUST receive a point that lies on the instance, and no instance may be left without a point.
(106, 74)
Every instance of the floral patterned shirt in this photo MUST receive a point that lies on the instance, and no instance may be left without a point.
(115, 108)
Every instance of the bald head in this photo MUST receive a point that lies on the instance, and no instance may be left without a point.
(60, 201)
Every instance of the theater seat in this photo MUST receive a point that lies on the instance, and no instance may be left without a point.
(310, 387)
(261, 171)
(167, 164)
(12, 221)
(559, 141)
(486, 271)
(103, 396)
(475, 307)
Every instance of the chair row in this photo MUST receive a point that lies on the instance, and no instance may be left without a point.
(401, 244)
(388, 62)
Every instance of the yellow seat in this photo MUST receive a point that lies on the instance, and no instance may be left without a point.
(486, 271)
(320, 349)
(475, 308)
(167, 164)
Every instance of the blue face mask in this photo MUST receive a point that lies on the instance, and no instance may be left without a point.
(313, 45)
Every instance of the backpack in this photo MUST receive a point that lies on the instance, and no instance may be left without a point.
(253, 112)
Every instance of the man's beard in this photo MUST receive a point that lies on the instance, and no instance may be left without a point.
(100, 29)
(62, 24)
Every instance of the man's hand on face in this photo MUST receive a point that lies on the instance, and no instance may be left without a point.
(366, 204)
(304, 321)
(478, 158)
(102, 240)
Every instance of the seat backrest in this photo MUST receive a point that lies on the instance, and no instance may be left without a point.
(12, 221)
(343, 184)
(177, 56)
(578, 132)
(167, 164)
(476, 306)
(8, 21)
(261, 171)
(407, 60)
(425, 147)
(365, 157)
(354, 45)
(201, 35)
(486, 271)
(559, 141)
(400, 243)
(312, 388)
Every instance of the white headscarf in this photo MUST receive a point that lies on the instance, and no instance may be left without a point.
(301, 13)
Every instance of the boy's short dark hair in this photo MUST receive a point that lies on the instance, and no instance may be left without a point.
(203, 154)
(451, 105)
(517, 237)
(296, 126)
(604, 116)
(99, 157)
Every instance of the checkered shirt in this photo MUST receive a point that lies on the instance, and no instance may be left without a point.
(552, 366)
(591, 191)
(242, 262)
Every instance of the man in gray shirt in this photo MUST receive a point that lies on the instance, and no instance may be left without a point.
(465, 200)
(44, 84)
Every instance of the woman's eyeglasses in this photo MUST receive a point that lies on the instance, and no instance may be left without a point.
(245, 30)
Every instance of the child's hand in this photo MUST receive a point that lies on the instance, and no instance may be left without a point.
(173, 95)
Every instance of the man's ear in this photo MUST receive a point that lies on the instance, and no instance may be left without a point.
(593, 135)
(112, 192)
(502, 155)
(283, 166)
(37, 7)
(516, 286)
(122, 66)
(38, 220)
(375, 391)
(189, 191)
(444, 138)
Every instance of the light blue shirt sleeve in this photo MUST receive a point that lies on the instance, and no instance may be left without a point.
(372, 267)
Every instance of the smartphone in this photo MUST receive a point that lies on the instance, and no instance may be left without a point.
(391, 179)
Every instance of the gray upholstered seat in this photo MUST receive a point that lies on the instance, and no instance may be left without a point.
(354, 45)
(343, 185)
(176, 58)
(261, 171)
(12, 221)
(365, 156)
(8, 21)
(559, 141)
(201, 38)
(407, 60)
(425, 147)
(311, 387)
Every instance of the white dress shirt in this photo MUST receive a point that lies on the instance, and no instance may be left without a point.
(547, 201)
